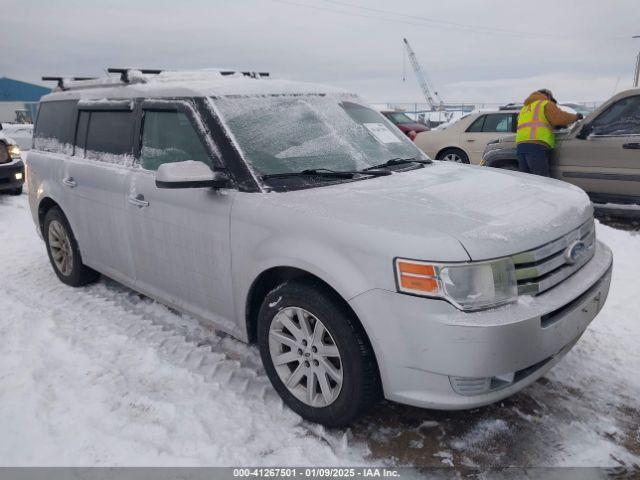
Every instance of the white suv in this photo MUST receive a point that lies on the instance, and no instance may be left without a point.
(295, 216)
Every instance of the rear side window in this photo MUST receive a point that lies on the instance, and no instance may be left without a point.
(477, 125)
(498, 123)
(169, 136)
(55, 126)
(110, 132)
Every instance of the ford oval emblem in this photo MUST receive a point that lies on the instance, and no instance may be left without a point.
(575, 251)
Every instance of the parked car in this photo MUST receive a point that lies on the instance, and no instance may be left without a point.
(297, 217)
(11, 166)
(404, 122)
(600, 154)
(464, 141)
(576, 108)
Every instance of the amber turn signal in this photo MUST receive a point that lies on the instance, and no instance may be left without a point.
(417, 277)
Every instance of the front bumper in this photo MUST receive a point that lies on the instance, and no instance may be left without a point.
(497, 156)
(426, 347)
(8, 171)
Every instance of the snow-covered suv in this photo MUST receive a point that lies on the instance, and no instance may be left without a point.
(295, 216)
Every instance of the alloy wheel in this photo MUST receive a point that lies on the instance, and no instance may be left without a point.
(453, 157)
(305, 356)
(60, 246)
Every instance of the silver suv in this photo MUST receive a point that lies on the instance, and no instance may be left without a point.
(295, 216)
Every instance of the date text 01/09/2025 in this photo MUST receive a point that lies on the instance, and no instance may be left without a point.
(322, 472)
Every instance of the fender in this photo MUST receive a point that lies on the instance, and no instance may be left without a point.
(44, 180)
(344, 277)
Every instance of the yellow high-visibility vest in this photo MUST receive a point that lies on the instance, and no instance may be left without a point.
(533, 124)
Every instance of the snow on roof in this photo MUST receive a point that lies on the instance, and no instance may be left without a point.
(197, 83)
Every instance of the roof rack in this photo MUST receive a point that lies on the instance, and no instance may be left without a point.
(124, 72)
(510, 106)
(61, 80)
(127, 76)
(246, 74)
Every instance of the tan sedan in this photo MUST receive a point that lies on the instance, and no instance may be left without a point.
(465, 140)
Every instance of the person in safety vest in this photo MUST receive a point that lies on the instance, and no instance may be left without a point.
(534, 137)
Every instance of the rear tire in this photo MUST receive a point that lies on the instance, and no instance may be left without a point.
(63, 251)
(337, 355)
(454, 155)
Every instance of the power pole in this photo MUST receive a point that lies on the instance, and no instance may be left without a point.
(636, 73)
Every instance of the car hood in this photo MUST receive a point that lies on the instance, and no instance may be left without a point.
(491, 212)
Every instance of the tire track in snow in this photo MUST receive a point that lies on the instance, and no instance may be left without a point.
(183, 342)
(215, 362)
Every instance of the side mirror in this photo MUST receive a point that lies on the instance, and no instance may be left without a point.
(584, 132)
(190, 174)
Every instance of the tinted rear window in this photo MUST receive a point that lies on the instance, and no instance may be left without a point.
(110, 132)
(55, 126)
(498, 123)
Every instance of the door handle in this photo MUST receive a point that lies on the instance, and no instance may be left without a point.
(632, 146)
(138, 200)
(70, 182)
(471, 139)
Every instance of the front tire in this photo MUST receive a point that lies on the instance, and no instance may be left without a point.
(454, 155)
(316, 354)
(63, 251)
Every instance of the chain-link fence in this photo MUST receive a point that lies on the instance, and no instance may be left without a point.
(423, 113)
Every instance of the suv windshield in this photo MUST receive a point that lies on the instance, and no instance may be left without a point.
(291, 133)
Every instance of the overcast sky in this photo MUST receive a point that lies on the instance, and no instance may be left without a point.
(489, 50)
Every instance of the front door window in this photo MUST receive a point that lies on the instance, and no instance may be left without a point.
(621, 118)
(169, 136)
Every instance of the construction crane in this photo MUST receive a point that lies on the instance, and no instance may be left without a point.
(432, 98)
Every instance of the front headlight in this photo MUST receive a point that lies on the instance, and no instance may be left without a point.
(467, 286)
(14, 151)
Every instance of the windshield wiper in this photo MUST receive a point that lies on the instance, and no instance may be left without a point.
(325, 172)
(399, 161)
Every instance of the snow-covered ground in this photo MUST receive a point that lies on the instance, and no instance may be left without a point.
(102, 376)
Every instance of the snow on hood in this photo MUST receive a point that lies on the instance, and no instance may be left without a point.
(492, 213)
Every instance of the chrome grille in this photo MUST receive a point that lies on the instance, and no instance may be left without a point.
(544, 267)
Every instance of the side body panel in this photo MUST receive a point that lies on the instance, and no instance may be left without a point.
(98, 208)
(600, 165)
(181, 250)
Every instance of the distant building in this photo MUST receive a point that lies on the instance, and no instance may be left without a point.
(19, 100)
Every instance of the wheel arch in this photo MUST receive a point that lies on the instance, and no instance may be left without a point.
(271, 278)
(46, 204)
(451, 147)
(266, 281)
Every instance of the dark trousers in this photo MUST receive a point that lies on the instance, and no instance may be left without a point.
(534, 158)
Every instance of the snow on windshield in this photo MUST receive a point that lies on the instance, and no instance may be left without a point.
(290, 133)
